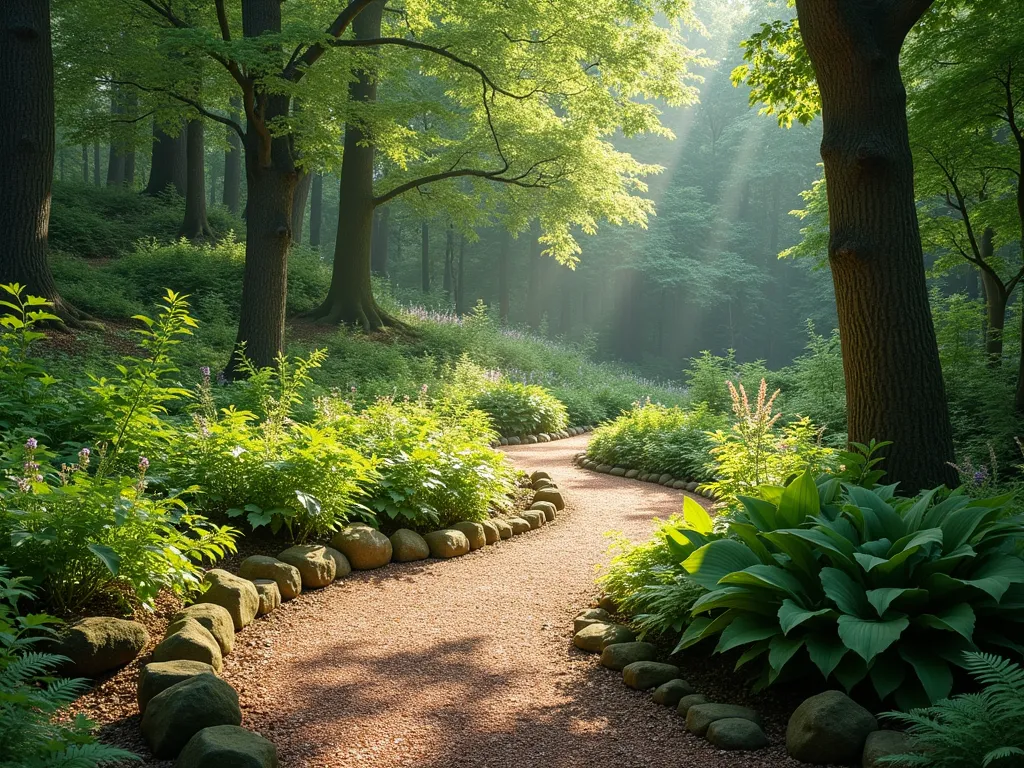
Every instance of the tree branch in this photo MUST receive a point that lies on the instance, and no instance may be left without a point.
(184, 100)
(495, 175)
(906, 13)
(222, 20)
(298, 65)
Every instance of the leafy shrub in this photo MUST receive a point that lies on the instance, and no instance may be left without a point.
(77, 534)
(860, 583)
(32, 698)
(656, 438)
(974, 730)
(581, 406)
(521, 409)
(306, 478)
(436, 464)
(647, 580)
(818, 388)
(707, 377)
(758, 451)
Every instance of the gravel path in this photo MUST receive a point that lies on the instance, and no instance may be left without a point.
(470, 663)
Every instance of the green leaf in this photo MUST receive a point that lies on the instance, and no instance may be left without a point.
(743, 598)
(696, 516)
(760, 512)
(848, 595)
(882, 599)
(915, 515)
(792, 615)
(769, 576)
(933, 673)
(107, 556)
(959, 618)
(869, 638)
(826, 652)
(891, 525)
(799, 501)
(711, 562)
(745, 629)
(782, 649)
(887, 674)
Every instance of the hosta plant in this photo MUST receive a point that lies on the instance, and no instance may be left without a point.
(862, 584)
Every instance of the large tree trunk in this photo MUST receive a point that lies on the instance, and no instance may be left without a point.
(449, 262)
(195, 226)
(271, 177)
(425, 257)
(350, 299)
(503, 300)
(299, 206)
(27, 149)
(168, 167)
(316, 210)
(129, 169)
(115, 158)
(96, 164)
(533, 301)
(460, 280)
(381, 242)
(890, 356)
(233, 163)
(995, 302)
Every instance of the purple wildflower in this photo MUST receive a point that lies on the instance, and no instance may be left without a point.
(143, 463)
(31, 444)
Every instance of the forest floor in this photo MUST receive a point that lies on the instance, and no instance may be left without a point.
(470, 662)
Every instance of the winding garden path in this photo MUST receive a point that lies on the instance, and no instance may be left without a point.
(470, 662)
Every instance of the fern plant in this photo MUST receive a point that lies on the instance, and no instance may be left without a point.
(32, 700)
(974, 730)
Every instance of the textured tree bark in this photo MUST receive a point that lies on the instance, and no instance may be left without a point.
(425, 257)
(195, 225)
(27, 149)
(299, 206)
(460, 280)
(233, 164)
(503, 298)
(316, 210)
(350, 299)
(167, 168)
(893, 378)
(996, 299)
(449, 262)
(129, 169)
(381, 241)
(533, 301)
(271, 177)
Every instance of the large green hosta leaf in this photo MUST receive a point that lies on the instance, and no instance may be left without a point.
(901, 598)
(799, 501)
(932, 672)
(868, 638)
(826, 651)
(744, 630)
(792, 615)
(847, 594)
(958, 618)
(719, 558)
(768, 576)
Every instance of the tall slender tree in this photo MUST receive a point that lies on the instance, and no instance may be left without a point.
(196, 225)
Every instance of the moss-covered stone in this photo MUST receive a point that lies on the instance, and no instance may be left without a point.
(475, 533)
(190, 641)
(158, 676)
(234, 593)
(227, 746)
(620, 655)
(408, 546)
(215, 618)
(447, 543)
(100, 644)
(287, 576)
(597, 637)
(365, 547)
(178, 713)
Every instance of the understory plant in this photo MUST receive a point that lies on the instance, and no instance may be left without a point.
(306, 478)
(759, 449)
(658, 439)
(647, 580)
(521, 409)
(436, 464)
(33, 700)
(861, 584)
(972, 730)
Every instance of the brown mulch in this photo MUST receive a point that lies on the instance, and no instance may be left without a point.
(470, 662)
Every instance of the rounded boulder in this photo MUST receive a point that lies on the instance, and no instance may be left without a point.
(591, 616)
(215, 619)
(621, 655)
(549, 494)
(736, 733)
(700, 716)
(188, 640)
(314, 565)
(365, 547)
(504, 529)
(408, 546)
(547, 508)
(597, 637)
(270, 595)
(342, 567)
(227, 746)
(644, 675)
(669, 694)
(491, 532)
(99, 644)
(287, 576)
(233, 593)
(474, 533)
(447, 543)
(829, 728)
(178, 713)
(158, 676)
(518, 525)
